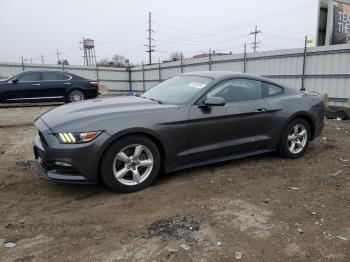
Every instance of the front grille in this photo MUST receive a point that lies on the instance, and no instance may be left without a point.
(42, 138)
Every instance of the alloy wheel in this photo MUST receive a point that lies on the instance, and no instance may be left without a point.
(133, 164)
(76, 96)
(297, 138)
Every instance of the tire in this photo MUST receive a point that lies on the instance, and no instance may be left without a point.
(122, 162)
(75, 95)
(300, 138)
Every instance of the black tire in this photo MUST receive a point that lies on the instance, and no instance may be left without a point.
(108, 161)
(284, 144)
(69, 97)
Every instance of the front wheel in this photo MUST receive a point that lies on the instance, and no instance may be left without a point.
(131, 164)
(295, 139)
(75, 95)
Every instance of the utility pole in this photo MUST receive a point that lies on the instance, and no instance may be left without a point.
(150, 46)
(58, 56)
(42, 59)
(255, 33)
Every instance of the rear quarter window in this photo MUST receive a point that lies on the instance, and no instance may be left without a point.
(273, 90)
(55, 76)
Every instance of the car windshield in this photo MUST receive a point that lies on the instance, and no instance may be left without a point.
(178, 89)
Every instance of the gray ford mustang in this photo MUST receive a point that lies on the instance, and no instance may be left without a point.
(188, 120)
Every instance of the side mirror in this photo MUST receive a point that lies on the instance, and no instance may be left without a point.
(14, 81)
(213, 101)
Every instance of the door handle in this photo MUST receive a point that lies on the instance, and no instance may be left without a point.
(66, 83)
(36, 84)
(260, 110)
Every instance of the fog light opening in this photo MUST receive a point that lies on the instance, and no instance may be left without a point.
(61, 163)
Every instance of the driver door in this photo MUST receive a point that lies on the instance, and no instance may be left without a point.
(237, 127)
(26, 87)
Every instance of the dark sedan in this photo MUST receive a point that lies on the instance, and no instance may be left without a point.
(188, 120)
(39, 86)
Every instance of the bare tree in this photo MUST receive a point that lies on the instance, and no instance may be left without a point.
(119, 60)
(116, 61)
(65, 62)
(176, 56)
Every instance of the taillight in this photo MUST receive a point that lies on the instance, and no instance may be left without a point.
(94, 84)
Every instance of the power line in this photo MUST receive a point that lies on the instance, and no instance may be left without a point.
(255, 33)
(239, 24)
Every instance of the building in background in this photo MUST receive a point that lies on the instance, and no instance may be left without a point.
(333, 25)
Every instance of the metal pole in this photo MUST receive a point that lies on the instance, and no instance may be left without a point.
(245, 59)
(97, 73)
(22, 63)
(209, 59)
(304, 66)
(130, 93)
(143, 78)
(255, 33)
(58, 57)
(150, 37)
(159, 72)
(182, 63)
(150, 46)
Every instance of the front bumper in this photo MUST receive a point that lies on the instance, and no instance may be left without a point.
(83, 159)
(58, 176)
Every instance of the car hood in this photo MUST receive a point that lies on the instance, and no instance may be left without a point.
(82, 116)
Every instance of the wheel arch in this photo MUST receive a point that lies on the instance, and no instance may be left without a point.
(308, 118)
(129, 132)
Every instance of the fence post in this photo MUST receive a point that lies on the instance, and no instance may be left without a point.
(245, 59)
(182, 64)
(159, 72)
(209, 59)
(325, 100)
(97, 74)
(130, 92)
(143, 78)
(304, 66)
(22, 64)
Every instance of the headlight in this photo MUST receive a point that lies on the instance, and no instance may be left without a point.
(77, 138)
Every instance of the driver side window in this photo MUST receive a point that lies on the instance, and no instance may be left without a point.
(237, 90)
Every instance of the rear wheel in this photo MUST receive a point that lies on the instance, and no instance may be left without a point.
(131, 164)
(295, 139)
(75, 95)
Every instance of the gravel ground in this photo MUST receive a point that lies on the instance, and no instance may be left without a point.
(261, 208)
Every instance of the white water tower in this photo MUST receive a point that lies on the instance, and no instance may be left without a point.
(89, 52)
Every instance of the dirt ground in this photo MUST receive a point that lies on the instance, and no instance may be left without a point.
(261, 208)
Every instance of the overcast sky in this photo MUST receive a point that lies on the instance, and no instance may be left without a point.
(30, 28)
